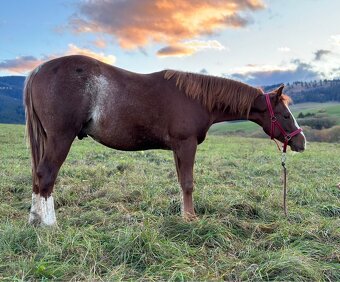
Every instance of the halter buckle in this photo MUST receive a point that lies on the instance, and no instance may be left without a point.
(288, 137)
(273, 119)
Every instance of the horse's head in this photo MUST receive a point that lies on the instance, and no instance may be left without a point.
(272, 113)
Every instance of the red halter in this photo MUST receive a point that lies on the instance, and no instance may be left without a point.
(275, 123)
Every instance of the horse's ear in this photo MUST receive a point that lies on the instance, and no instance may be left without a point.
(279, 90)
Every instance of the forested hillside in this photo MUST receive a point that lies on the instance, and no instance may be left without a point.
(314, 91)
(11, 105)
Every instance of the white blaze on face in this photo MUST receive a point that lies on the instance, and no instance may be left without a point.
(296, 124)
(42, 211)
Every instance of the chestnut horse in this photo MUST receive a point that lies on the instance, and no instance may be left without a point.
(80, 96)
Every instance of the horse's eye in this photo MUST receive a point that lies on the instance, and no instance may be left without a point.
(286, 116)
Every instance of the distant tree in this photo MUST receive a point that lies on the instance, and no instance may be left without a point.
(318, 123)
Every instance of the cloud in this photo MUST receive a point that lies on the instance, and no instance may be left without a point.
(100, 43)
(138, 23)
(189, 47)
(24, 64)
(336, 72)
(283, 49)
(21, 64)
(75, 50)
(235, 20)
(143, 51)
(319, 54)
(335, 39)
(267, 75)
(175, 51)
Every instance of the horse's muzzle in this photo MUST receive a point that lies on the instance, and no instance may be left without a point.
(297, 148)
(298, 143)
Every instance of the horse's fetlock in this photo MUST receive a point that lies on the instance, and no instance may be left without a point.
(45, 191)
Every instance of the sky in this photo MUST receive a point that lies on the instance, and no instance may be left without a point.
(260, 42)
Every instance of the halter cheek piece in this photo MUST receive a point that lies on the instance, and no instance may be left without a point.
(275, 123)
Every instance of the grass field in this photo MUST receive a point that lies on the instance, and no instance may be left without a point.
(331, 108)
(119, 215)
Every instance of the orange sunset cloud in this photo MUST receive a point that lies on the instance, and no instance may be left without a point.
(75, 50)
(189, 47)
(138, 23)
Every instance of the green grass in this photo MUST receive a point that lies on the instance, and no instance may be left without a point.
(119, 215)
(331, 108)
(333, 111)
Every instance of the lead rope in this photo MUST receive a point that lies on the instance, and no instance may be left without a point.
(283, 163)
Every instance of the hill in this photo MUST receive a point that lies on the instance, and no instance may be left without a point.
(119, 215)
(313, 91)
(12, 111)
(11, 104)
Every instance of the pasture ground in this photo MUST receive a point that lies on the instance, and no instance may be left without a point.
(119, 215)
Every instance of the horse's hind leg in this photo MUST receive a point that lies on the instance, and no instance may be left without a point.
(184, 159)
(42, 209)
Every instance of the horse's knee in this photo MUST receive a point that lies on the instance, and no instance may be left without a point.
(187, 187)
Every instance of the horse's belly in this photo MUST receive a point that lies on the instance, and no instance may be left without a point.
(131, 144)
(129, 137)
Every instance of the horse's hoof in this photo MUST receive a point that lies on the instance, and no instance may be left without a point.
(189, 217)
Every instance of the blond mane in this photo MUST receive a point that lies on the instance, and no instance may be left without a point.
(216, 93)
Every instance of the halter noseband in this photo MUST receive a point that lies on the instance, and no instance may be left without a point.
(275, 123)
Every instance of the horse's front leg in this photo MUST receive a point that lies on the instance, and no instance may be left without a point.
(184, 158)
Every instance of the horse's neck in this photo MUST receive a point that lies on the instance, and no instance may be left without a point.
(220, 116)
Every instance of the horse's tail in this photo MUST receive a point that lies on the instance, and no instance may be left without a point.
(34, 130)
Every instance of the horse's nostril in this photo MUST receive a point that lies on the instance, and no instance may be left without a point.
(301, 148)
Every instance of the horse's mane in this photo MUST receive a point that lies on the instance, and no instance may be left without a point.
(216, 92)
(286, 99)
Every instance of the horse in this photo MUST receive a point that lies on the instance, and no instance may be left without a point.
(78, 96)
